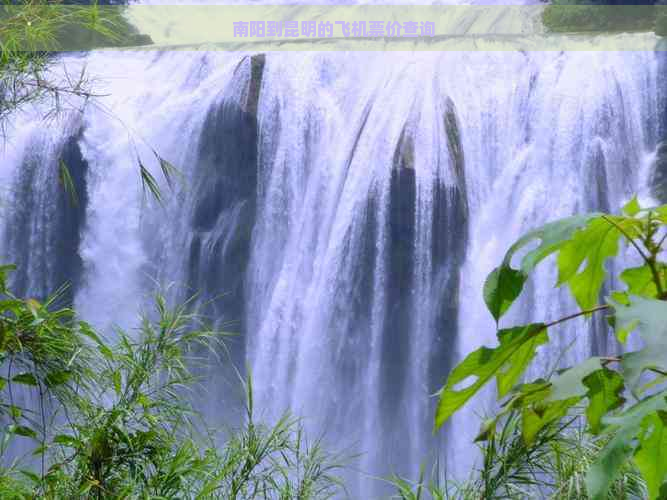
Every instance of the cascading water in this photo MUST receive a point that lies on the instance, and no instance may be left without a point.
(340, 211)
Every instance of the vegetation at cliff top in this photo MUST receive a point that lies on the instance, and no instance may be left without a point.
(31, 30)
(593, 17)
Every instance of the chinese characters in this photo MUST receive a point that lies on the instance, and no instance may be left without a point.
(327, 29)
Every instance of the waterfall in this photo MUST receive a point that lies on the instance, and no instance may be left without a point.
(338, 211)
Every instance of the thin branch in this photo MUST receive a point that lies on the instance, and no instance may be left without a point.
(43, 418)
(627, 236)
(651, 260)
(609, 359)
(546, 326)
(662, 240)
(576, 315)
(658, 371)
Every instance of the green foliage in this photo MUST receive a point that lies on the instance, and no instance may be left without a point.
(660, 26)
(506, 362)
(120, 424)
(623, 397)
(553, 465)
(505, 284)
(567, 16)
(30, 32)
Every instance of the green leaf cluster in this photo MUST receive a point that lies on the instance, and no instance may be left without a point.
(115, 420)
(622, 396)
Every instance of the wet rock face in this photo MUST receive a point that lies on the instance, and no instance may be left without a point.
(658, 179)
(227, 166)
(71, 218)
(45, 226)
(455, 147)
(449, 242)
(596, 178)
(224, 197)
(449, 222)
(399, 280)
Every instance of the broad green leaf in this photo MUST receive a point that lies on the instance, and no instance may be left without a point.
(504, 284)
(660, 213)
(581, 261)
(526, 394)
(620, 448)
(25, 378)
(650, 318)
(560, 395)
(485, 363)
(569, 383)
(611, 460)
(621, 333)
(536, 416)
(509, 374)
(521, 396)
(640, 280)
(651, 455)
(604, 394)
(501, 289)
(621, 298)
(632, 207)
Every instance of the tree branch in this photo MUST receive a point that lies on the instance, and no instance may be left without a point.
(576, 315)
(627, 236)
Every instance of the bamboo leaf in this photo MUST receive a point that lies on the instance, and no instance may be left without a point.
(57, 377)
(68, 184)
(25, 378)
(169, 171)
(21, 430)
(66, 440)
(116, 378)
(149, 183)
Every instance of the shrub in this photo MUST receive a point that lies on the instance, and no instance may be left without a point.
(113, 421)
(624, 395)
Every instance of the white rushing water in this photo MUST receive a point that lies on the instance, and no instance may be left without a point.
(351, 205)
